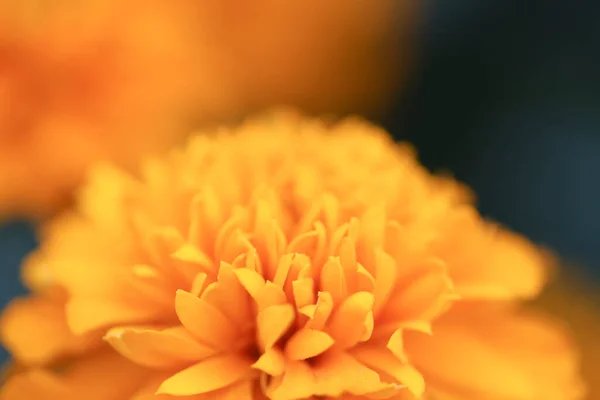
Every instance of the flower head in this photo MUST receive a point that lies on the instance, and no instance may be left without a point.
(288, 259)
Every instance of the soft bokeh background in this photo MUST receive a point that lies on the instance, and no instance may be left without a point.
(506, 95)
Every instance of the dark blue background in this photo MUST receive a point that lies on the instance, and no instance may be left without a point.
(507, 96)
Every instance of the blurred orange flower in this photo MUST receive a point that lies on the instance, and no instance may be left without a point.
(322, 56)
(113, 80)
(289, 259)
(81, 82)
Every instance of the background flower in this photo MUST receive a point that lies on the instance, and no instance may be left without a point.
(113, 80)
(81, 82)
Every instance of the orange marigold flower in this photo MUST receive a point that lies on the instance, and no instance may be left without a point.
(289, 259)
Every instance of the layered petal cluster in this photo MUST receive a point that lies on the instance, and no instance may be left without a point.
(288, 259)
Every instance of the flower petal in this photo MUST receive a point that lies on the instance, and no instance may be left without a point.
(346, 322)
(272, 323)
(85, 315)
(320, 313)
(381, 359)
(303, 292)
(423, 295)
(298, 382)
(25, 318)
(338, 373)
(34, 384)
(385, 279)
(168, 348)
(100, 376)
(207, 376)
(229, 296)
(483, 255)
(471, 352)
(206, 322)
(307, 343)
(271, 362)
(333, 280)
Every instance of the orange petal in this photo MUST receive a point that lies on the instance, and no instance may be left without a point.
(271, 362)
(346, 322)
(206, 215)
(298, 383)
(192, 255)
(103, 375)
(251, 280)
(35, 384)
(283, 268)
(321, 312)
(229, 296)
(483, 255)
(239, 391)
(88, 376)
(207, 376)
(307, 343)
(381, 359)
(385, 279)
(365, 282)
(338, 373)
(304, 293)
(206, 322)
(471, 352)
(198, 284)
(270, 295)
(333, 280)
(272, 323)
(169, 348)
(368, 327)
(85, 315)
(396, 345)
(422, 296)
(25, 318)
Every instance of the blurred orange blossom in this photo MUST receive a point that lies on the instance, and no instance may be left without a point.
(114, 80)
(284, 259)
